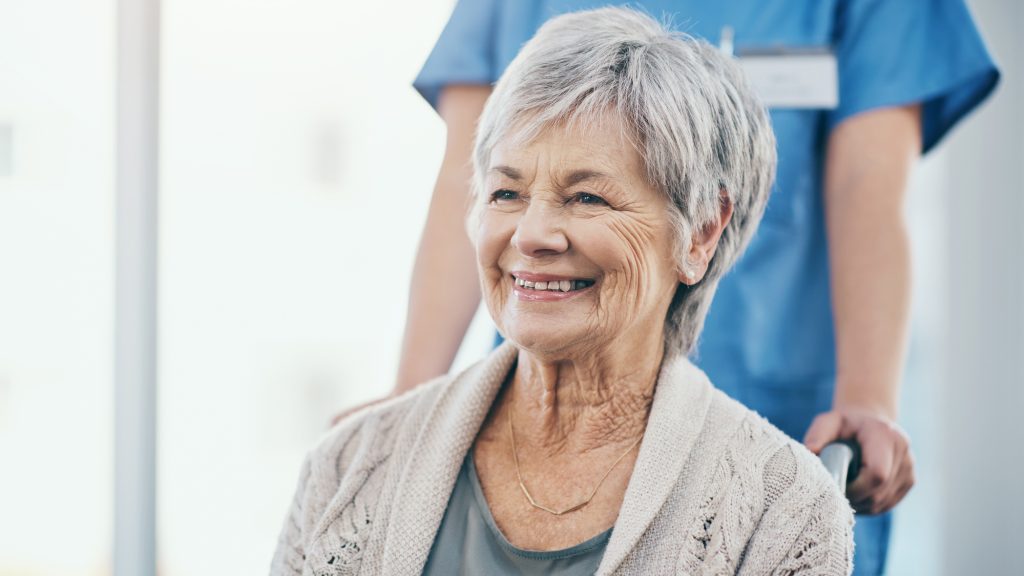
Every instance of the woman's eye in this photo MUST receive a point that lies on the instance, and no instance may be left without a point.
(588, 198)
(504, 195)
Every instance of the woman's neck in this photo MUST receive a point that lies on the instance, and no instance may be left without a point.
(574, 406)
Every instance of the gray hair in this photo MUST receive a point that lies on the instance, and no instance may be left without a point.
(694, 120)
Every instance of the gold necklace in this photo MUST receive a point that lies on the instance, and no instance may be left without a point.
(529, 498)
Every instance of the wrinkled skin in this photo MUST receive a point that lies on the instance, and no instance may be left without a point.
(611, 226)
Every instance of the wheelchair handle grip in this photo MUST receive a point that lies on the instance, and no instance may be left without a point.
(842, 460)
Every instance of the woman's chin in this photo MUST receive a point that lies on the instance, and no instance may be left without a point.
(546, 340)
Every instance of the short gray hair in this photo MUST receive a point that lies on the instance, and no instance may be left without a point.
(694, 120)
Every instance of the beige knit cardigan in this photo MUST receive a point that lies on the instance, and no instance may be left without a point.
(716, 489)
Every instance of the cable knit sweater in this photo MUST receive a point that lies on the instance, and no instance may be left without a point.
(716, 489)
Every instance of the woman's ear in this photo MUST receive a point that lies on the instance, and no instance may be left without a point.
(704, 242)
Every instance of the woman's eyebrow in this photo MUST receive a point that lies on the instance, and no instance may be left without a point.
(577, 176)
(508, 171)
(571, 179)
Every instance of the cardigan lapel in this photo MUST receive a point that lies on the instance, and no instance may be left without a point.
(681, 402)
(429, 475)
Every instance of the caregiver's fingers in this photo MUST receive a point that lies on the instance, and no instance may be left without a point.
(903, 481)
(825, 428)
(887, 468)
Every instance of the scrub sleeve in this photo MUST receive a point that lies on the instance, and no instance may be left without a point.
(465, 52)
(897, 53)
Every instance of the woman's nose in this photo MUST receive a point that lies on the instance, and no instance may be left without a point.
(540, 232)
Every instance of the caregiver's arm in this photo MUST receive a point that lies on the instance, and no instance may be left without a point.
(445, 292)
(868, 163)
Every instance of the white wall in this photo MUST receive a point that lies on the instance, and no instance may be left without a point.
(56, 286)
(297, 164)
(983, 440)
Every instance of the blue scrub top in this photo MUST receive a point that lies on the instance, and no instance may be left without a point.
(768, 338)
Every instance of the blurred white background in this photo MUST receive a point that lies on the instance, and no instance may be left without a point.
(296, 167)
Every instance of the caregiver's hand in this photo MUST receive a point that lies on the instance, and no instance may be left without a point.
(887, 466)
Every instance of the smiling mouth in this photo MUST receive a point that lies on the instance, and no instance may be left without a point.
(554, 285)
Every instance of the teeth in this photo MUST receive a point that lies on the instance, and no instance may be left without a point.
(554, 285)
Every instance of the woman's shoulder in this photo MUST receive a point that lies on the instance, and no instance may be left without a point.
(362, 458)
(780, 459)
(733, 433)
(342, 477)
(356, 449)
(451, 395)
(378, 423)
(764, 502)
(383, 432)
(795, 502)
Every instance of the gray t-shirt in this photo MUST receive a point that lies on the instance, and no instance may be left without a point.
(469, 541)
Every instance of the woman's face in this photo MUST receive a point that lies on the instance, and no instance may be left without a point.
(574, 245)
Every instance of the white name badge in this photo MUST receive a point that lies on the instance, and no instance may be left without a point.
(793, 78)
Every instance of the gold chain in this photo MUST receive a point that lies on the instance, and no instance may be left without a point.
(522, 485)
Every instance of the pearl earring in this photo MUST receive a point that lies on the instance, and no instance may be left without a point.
(690, 272)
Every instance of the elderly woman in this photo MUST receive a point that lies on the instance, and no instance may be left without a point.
(620, 171)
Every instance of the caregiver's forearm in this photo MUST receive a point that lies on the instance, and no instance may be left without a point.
(869, 160)
(444, 293)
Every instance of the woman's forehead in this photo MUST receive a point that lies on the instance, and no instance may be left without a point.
(571, 151)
